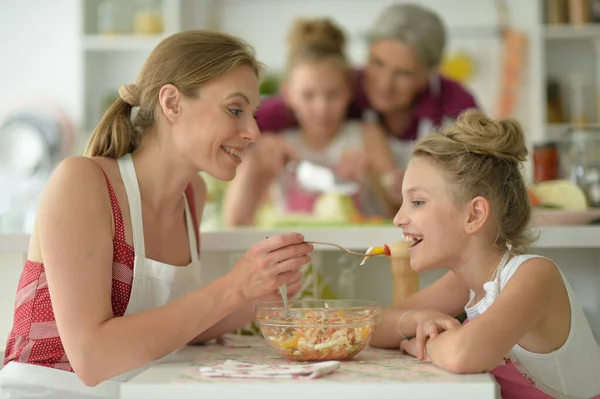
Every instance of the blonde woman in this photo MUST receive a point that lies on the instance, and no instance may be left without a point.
(112, 279)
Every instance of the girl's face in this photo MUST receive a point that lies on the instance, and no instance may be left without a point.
(318, 93)
(431, 216)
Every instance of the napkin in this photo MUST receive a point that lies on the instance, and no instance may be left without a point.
(235, 369)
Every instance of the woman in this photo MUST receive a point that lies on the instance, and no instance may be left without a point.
(399, 90)
(112, 279)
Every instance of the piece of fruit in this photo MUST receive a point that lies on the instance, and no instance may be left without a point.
(533, 198)
(335, 207)
(562, 194)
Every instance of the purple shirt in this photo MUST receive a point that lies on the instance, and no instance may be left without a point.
(451, 100)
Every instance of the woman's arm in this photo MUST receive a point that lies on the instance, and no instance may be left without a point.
(75, 235)
(448, 295)
(530, 295)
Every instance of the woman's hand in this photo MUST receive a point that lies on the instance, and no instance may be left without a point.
(428, 325)
(392, 182)
(352, 164)
(271, 263)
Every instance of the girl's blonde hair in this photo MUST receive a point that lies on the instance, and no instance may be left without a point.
(186, 60)
(482, 157)
(316, 40)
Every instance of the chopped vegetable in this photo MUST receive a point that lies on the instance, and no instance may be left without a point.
(385, 250)
(320, 335)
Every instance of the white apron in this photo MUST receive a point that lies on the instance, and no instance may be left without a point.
(154, 284)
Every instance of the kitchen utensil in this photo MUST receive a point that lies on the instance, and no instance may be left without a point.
(317, 178)
(283, 292)
(362, 255)
(318, 330)
(580, 160)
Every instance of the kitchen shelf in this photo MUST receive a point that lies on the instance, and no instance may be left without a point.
(572, 32)
(121, 42)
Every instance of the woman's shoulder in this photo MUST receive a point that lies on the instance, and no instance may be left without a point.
(274, 115)
(455, 97)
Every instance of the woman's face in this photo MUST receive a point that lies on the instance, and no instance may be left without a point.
(318, 93)
(394, 76)
(214, 128)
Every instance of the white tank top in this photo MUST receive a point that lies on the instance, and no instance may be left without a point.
(349, 136)
(574, 368)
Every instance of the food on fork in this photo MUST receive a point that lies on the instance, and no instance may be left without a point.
(385, 250)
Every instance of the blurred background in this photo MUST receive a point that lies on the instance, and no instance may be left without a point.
(63, 61)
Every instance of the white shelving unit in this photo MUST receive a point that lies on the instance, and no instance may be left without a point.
(572, 50)
(111, 60)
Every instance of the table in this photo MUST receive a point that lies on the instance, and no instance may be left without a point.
(372, 373)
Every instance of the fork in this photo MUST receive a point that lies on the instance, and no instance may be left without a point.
(343, 248)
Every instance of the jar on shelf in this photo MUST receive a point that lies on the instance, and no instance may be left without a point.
(148, 17)
(111, 19)
(546, 162)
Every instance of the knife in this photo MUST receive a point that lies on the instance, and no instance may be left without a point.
(316, 178)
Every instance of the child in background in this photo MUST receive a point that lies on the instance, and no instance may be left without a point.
(466, 209)
(317, 88)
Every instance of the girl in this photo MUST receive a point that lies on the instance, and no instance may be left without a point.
(113, 270)
(317, 89)
(466, 209)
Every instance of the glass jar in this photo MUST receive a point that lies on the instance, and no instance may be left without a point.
(545, 162)
(148, 17)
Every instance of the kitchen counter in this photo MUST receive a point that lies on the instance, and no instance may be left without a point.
(387, 372)
(575, 249)
(352, 237)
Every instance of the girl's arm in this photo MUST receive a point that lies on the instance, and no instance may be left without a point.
(247, 190)
(448, 295)
(533, 293)
(76, 240)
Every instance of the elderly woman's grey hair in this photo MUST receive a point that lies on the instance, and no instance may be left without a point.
(415, 25)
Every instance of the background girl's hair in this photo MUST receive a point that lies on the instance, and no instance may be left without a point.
(186, 60)
(483, 157)
(315, 40)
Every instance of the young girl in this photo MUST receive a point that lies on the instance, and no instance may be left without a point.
(466, 209)
(113, 270)
(317, 88)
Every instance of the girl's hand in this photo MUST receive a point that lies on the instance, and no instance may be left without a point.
(409, 346)
(429, 324)
(352, 164)
(270, 264)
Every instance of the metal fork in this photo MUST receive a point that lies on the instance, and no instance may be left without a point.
(343, 248)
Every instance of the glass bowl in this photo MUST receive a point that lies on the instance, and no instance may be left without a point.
(318, 330)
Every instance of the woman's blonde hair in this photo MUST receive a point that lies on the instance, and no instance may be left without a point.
(482, 157)
(186, 60)
(316, 40)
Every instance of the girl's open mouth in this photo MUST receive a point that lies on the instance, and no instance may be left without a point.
(413, 240)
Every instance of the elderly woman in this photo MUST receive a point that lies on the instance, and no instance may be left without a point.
(399, 90)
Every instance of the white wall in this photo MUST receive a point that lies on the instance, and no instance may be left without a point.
(265, 24)
(39, 54)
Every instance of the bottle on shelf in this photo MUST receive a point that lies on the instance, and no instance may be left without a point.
(148, 17)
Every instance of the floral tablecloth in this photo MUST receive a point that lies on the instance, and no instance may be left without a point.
(371, 365)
